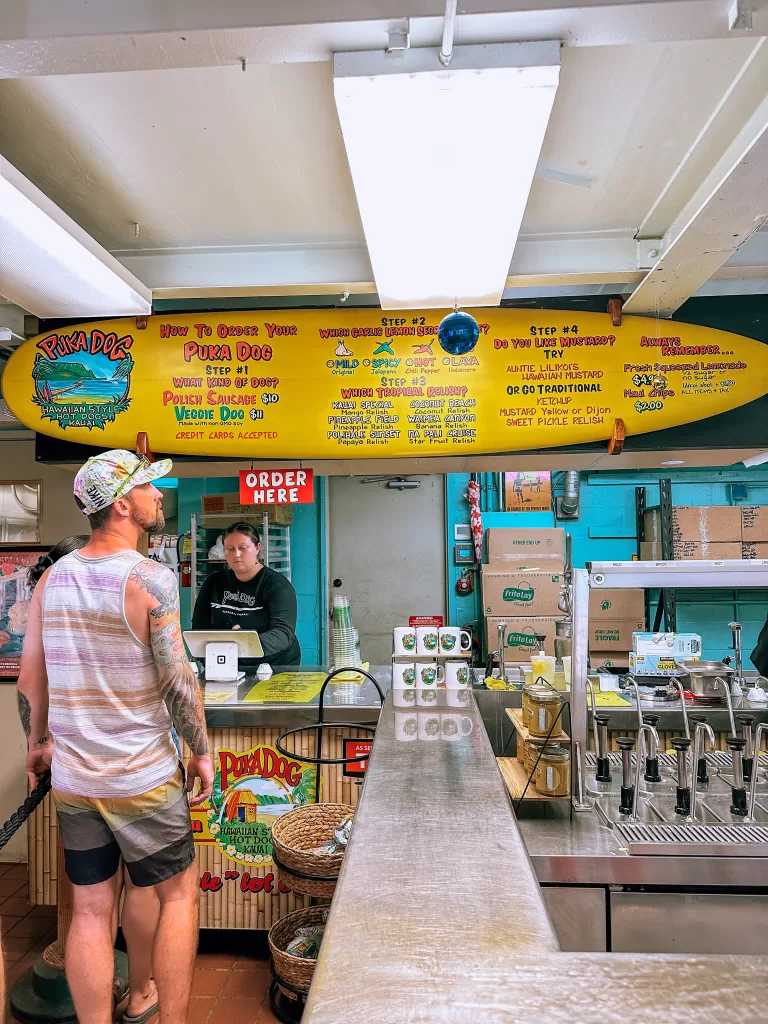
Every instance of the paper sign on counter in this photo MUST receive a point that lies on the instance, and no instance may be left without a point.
(287, 688)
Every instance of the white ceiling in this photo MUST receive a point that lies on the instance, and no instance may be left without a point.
(238, 180)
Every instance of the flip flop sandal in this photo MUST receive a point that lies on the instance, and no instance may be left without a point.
(141, 1018)
(119, 994)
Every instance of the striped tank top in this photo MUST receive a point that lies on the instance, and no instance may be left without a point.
(109, 723)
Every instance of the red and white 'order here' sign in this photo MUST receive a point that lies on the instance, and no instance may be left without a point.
(276, 486)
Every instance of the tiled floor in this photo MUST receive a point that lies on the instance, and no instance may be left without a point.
(230, 986)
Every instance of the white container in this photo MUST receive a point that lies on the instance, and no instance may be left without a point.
(461, 698)
(455, 727)
(453, 640)
(427, 640)
(429, 728)
(429, 674)
(403, 675)
(456, 674)
(406, 726)
(405, 698)
(404, 640)
(667, 645)
(543, 666)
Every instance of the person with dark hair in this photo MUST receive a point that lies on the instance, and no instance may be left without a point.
(250, 595)
(103, 677)
(64, 547)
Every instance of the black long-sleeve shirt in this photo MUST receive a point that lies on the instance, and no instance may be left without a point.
(266, 603)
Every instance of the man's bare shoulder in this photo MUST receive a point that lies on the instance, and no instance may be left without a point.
(156, 583)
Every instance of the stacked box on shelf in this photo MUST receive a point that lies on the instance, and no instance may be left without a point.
(712, 532)
(614, 615)
(521, 585)
(754, 531)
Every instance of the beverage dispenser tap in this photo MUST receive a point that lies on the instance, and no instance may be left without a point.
(762, 727)
(502, 637)
(728, 701)
(603, 773)
(682, 745)
(631, 681)
(736, 745)
(746, 722)
(652, 753)
(679, 687)
(653, 740)
(735, 628)
(702, 775)
(698, 756)
(626, 745)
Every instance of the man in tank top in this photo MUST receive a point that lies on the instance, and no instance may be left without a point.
(104, 675)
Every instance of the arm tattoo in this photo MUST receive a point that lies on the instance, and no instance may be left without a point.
(178, 683)
(25, 713)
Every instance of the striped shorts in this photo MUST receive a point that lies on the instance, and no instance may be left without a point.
(151, 831)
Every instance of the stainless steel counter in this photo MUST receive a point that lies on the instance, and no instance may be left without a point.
(583, 852)
(438, 915)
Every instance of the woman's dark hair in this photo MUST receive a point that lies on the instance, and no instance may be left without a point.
(64, 547)
(245, 528)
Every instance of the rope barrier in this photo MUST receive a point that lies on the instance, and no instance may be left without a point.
(17, 819)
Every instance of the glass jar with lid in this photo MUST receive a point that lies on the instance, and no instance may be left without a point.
(543, 708)
(530, 691)
(553, 772)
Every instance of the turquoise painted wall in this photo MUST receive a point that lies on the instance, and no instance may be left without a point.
(307, 559)
(605, 530)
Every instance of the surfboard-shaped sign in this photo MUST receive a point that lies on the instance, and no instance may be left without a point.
(362, 384)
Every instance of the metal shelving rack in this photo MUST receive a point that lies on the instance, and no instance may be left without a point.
(699, 575)
(275, 545)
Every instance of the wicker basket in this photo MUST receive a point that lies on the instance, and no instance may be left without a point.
(294, 970)
(294, 837)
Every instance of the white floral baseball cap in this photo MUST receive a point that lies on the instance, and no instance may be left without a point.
(105, 478)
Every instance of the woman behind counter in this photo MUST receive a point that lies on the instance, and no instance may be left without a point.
(249, 595)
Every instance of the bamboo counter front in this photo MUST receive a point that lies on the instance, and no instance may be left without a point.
(253, 784)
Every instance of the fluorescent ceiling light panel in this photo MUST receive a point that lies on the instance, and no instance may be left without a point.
(442, 161)
(50, 266)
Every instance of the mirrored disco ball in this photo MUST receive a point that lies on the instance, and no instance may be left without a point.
(458, 333)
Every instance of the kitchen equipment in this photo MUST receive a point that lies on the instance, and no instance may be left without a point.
(746, 722)
(626, 745)
(603, 763)
(563, 641)
(706, 678)
(682, 745)
(652, 753)
(736, 745)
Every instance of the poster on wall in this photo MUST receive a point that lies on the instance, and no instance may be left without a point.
(352, 384)
(251, 789)
(15, 596)
(527, 492)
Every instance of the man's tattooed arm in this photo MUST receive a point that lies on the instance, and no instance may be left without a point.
(25, 713)
(178, 683)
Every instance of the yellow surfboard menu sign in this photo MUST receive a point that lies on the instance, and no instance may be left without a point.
(361, 384)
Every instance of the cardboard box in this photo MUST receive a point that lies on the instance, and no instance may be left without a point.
(685, 550)
(714, 523)
(667, 645)
(229, 505)
(616, 604)
(614, 636)
(608, 659)
(754, 523)
(754, 549)
(520, 643)
(511, 549)
(650, 665)
(521, 594)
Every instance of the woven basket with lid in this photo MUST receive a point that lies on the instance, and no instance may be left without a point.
(295, 970)
(295, 836)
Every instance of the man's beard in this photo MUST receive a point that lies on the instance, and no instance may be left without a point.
(149, 524)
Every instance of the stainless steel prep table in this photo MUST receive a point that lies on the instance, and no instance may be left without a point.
(438, 915)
